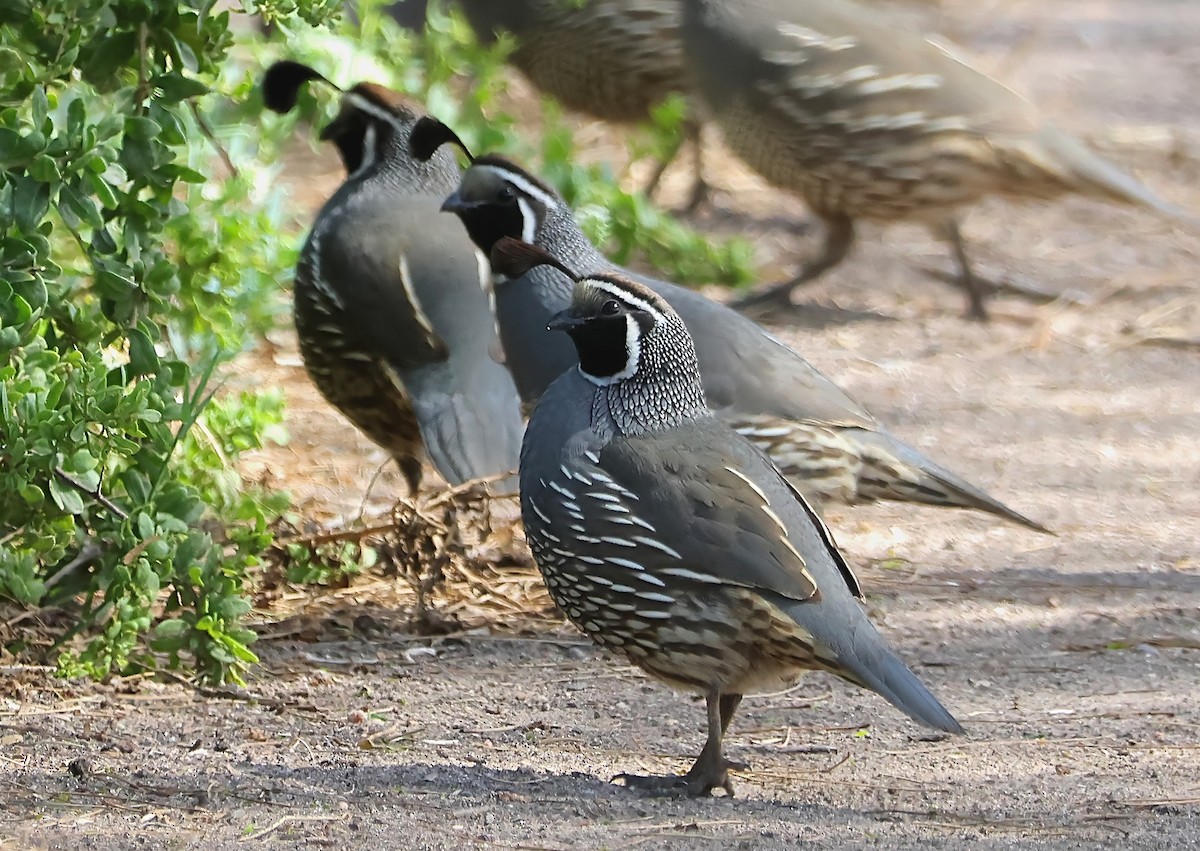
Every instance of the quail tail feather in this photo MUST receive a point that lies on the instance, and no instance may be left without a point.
(465, 438)
(1097, 177)
(894, 470)
(869, 662)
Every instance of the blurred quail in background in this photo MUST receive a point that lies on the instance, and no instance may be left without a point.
(668, 538)
(828, 444)
(611, 59)
(867, 121)
(392, 301)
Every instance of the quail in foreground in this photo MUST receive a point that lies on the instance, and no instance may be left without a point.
(867, 121)
(665, 536)
(392, 300)
(611, 59)
(827, 443)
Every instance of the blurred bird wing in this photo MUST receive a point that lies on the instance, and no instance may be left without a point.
(886, 76)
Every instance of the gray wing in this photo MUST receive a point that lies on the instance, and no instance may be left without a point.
(471, 423)
(737, 516)
(468, 407)
(427, 314)
(362, 258)
(723, 509)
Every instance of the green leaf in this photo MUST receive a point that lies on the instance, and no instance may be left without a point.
(104, 193)
(177, 87)
(77, 208)
(45, 169)
(31, 202)
(105, 54)
(39, 107)
(143, 358)
(66, 497)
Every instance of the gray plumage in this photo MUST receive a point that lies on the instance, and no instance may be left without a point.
(668, 538)
(864, 120)
(828, 444)
(392, 303)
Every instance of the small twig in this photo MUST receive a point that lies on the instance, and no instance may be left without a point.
(280, 822)
(94, 494)
(89, 552)
(1147, 803)
(207, 131)
(205, 691)
(316, 539)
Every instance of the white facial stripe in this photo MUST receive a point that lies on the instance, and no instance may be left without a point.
(370, 154)
(529, 221)
(626, 296)
(535, 192)
(372, 109)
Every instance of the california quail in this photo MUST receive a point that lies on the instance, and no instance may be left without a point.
(866, 121)
(665, 536)
(829, 445)
(392, 301)
(612, 59)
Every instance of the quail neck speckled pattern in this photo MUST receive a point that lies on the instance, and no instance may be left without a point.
(395, 170)
(659, 386)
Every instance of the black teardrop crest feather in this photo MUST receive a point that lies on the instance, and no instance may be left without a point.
(428, 135)
(281, 84)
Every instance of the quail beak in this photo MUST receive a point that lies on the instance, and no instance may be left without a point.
(455, 203)
(563, 321)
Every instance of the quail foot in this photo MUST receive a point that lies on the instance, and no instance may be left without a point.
(666, 537)
(392, 301)
(866, 121)
(829, 445)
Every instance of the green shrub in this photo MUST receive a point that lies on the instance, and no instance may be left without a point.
(142, 246)
(128, 277)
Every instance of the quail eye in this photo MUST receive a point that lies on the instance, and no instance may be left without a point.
(610, 308)
(506, 194)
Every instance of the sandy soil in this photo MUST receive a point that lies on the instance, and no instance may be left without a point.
(1072, 661)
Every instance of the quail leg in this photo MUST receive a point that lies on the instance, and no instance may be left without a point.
(661, 168)
(979, 286)
(692, 130)
(700, 189)
(410, 468)
(710, 770)
(976, 307)
(839, 239)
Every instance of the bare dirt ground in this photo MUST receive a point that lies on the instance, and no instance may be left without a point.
(1072, 661)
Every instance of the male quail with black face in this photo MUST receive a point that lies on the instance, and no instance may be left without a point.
(612, 59)
(829, 445)
(665, 536)
(392, 301)
(866, 121)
